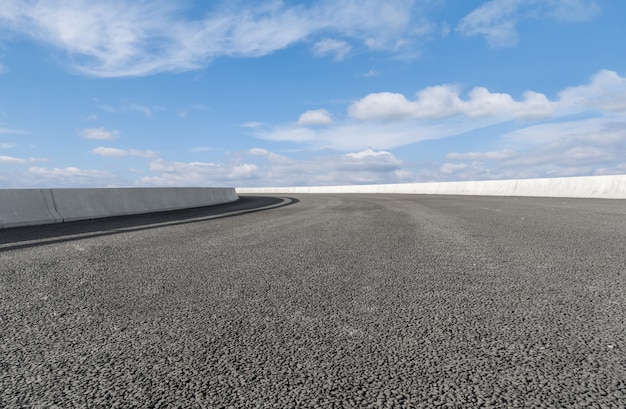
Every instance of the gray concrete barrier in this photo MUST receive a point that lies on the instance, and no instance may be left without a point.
(606, 187)
(23, 207)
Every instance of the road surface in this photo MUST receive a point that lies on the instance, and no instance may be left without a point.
(321, 301)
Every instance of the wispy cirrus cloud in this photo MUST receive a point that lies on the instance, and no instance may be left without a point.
(490, 155)
(577, 147)
(6, 131)
(497, 20)
(20, 161)
(146, 111)
(99, 133)
(328, 46)
(124, 38)
(119, 153)
(70, 176)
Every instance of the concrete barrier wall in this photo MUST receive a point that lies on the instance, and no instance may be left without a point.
(23, 207)
(606, 187)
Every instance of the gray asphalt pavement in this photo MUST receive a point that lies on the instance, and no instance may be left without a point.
(323, 301)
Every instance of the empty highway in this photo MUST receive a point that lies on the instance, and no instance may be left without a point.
(321, 301)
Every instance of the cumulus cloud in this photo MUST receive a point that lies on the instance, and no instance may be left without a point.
(128, 38)
(497, 20)
(606, 91)
(315, 117)
(329, 46)
(444, 101)
(118, 153)
(388, 120)
(582, 129)
(99, 133)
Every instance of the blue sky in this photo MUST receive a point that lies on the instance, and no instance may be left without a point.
(286, 93)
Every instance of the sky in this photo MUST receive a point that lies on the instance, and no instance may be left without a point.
(130, 93)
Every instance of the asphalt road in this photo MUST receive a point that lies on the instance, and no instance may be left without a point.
(323, 301)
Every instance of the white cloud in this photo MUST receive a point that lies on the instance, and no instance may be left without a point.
(315, 117)
(66, 177)
(582, 130)
(371, 73)
(5, 145)
(253, 124)
(4, 131)
(444, 101)
(606, 91)
(580, 147)
(3, 69)
(197, 174)
(328, 46)
(143, 109)
(383, 106)
(118, 153)
(369, 153)
(273, 157)
(368, 166)
(124, 38)
(492, 155)
(497, 20)
(204, 149)
(20, 161)
(99, 133)
(572, 10)
(619, 169)
(357, 135)
(597, 130)
(258, 166)
(449, 168)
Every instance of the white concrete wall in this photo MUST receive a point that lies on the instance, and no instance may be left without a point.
(23, 207)
(607, 187)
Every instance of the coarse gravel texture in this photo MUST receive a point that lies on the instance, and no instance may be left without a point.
(326, 301)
